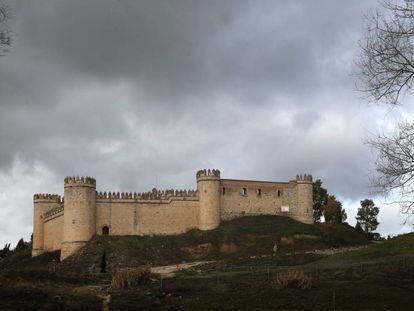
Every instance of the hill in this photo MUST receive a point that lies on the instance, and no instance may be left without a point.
(244, 273)
(242, 237)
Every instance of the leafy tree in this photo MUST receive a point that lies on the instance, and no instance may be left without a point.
(320, 196)
(21, 245)
(333, 211)
(358, 227)
(367, 216)
(5, 251)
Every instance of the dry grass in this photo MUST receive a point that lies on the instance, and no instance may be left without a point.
(129, 278)
(292, 278)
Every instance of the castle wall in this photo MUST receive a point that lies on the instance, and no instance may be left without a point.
(53, 233)
(162, 216)
(258, 198)
(208, 186)
(43, 203)
(79, 219)
(70, 224)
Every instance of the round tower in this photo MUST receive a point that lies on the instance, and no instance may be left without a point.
(42, 203)
(79, 216)
(304, 211)
(208, 186)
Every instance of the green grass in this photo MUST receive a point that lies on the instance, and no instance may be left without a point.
(246, 236)
(400, 245)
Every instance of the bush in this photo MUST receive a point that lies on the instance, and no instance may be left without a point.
(131, 278)
(292, 278)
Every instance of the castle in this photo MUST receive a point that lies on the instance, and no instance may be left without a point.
(69, 223)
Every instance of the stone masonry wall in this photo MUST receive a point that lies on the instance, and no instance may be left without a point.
(246, 198)
(53, 233)
(132, 217)
(160, 212)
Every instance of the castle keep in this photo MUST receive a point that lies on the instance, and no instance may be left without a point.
(68, 224)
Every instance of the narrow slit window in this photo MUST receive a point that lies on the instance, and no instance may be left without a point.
(243, 191)
(279, 193)
(223, 191)
(259, 192)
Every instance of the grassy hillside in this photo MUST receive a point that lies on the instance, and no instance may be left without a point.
(243, 237)
(399, 245)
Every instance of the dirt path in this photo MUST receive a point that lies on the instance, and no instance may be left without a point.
(332, 251)
(168, 271)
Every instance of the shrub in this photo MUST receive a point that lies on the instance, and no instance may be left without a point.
(130, 278)
(292, 278)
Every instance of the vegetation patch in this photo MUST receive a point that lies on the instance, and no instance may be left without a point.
(130, 278)
(292, 278)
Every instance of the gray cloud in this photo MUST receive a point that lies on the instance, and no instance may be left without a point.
(144, 93)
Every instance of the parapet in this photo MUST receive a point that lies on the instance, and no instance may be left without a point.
(305, 177)
(154, 194)
(53, 212)
(42, 197)
(80, 182)
(208, 174)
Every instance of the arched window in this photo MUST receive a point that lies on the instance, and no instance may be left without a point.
(243, 191)
(105, 230)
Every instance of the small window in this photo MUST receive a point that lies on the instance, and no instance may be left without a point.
(243, 191)
(279, 193)
(223, 191)
(259, 192)
(105, 230)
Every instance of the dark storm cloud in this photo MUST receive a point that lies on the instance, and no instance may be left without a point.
(143, 93)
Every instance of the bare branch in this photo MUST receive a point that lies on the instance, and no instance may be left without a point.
(5, 33)
(395, 165)
(385, 67)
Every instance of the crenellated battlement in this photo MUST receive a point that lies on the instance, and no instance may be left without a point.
(72, 181)
(154, 194)
(47, 197)
(208, 173)
(53, 212)
(305, 177)
(68, 223)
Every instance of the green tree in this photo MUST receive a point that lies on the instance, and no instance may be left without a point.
(358, 227)
(367, 216)
(333, 211)
(5, 251)
(320, 196)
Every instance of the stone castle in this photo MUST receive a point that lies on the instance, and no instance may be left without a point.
(69, 223)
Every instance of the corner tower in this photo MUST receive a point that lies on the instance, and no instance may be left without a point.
(208, 186)
(304, 186)
(79, 217)
(42, 203)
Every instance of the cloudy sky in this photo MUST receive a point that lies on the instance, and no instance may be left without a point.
(143, 93)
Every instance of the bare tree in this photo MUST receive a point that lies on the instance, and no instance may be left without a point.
(5, 34)
(386, 64)
(385, 71)
(395, 166)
